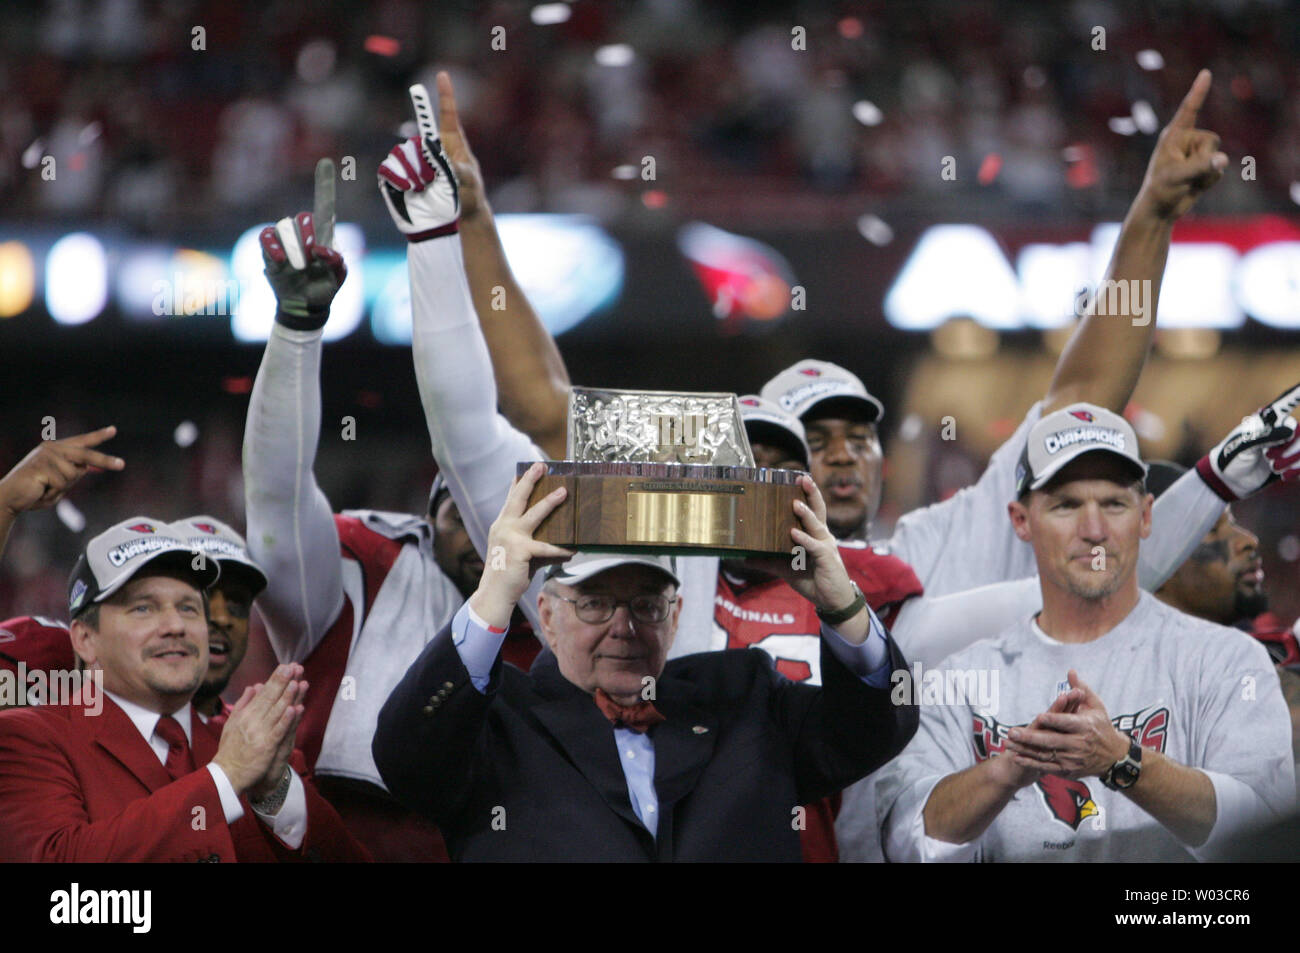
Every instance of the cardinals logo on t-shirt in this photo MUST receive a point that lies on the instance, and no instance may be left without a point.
(1067, 800)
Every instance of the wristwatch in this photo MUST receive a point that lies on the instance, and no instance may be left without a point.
(1123, 774)
(271, 804)
(834, 617)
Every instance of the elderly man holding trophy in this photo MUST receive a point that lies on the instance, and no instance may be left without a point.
(605, 750)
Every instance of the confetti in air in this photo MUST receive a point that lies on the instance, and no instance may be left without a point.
(1123, 125)
(875, 230)
(70, 516)
(867, 113)
(186, 433)
(1145, 117)
(32, 154)
(1150, 60)
(615, 54)
(548, 14)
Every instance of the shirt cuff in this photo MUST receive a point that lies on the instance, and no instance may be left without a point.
(935, 851)
(870, 660)
(289, 824)
(478, 645)
(1237, 809)
(231, 806)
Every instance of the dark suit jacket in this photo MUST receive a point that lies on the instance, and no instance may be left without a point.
(81, 787)
(529, 771)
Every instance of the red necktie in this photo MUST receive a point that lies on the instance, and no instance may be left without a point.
(180, 760)
(636, 717)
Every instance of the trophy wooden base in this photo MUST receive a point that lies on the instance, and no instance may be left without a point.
(670, 508)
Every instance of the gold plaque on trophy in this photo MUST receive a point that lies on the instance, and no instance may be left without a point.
(665, 472)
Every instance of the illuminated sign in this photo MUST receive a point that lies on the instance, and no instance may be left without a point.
(567, 265)
(1218, 273)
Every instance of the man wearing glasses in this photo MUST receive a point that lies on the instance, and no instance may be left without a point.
(604, 751)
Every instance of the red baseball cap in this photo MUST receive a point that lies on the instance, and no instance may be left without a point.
(40, 644)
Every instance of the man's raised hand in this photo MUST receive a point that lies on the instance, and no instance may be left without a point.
(512, 554)
(45, 475)
(303, 269)
(456, 145)
(1186, 161)
(258, 737)
(417, 182)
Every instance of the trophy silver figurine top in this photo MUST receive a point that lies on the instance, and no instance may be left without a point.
(628, 426)
(665, 472)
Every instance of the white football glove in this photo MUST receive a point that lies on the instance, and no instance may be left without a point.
(422, 196)
(1253, 454)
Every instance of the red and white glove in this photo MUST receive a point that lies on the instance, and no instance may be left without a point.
(1285, 459)
(1259, 450)
(305, 274)
(417, 181)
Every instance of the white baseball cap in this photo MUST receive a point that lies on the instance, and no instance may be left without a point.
(584, 565)
(214, 538)
(765, 422)
(1067, 434)
(122, 551)
(816, 384)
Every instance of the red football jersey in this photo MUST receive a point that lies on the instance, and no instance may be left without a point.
(773, 617)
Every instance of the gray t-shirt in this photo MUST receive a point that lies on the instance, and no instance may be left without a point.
(1205, 695)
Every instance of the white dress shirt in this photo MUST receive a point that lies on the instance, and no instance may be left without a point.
(289, 824)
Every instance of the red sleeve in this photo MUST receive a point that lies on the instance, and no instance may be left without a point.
(324, 667)
(44, 814)
(886, 581)
(373, 552)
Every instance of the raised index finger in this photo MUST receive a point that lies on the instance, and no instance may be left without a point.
(448, 117)
(1185, 118)
(323, 203)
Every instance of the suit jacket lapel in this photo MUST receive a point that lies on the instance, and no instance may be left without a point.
(683, 744)
(117, 734)
(574, 722)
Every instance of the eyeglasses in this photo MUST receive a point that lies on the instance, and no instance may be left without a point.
(595, 609)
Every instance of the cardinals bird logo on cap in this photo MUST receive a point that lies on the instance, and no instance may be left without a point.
(749, 402)
(810, 372)
(1083, 415)
(141, 528)
(206, 527)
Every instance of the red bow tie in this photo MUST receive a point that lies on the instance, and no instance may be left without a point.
(636, 717)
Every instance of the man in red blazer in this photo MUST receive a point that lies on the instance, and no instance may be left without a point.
(135, 773)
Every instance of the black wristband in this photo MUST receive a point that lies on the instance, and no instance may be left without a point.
(311, 321)
(835, 617)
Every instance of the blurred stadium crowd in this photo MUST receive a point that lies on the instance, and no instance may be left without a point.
(738, 122)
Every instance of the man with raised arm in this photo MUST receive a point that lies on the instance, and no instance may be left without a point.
(573, 761)
(352, 596)
(1121, 729)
